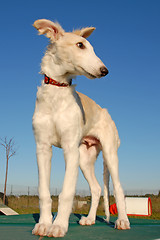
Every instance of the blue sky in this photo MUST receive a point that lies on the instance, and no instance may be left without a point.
(127, 39)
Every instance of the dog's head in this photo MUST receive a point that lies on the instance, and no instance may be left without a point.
(70, 51)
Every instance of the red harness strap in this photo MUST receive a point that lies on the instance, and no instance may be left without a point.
(51, 81)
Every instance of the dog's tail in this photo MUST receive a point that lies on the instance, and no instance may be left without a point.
(106, 176)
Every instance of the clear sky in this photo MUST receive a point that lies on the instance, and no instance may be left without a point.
(127, 39)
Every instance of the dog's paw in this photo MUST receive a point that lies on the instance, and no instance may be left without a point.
(41, 229)
(107, 219)
(86, 221)
(56, 231)
(122, 224)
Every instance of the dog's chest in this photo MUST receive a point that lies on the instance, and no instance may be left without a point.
(56, 111)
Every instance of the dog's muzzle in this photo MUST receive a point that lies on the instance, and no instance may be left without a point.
(104, 71)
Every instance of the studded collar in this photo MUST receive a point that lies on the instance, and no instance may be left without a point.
(48, 80)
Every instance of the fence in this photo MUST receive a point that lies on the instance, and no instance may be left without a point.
(19, 190)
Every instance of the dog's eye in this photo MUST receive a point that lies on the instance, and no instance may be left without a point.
(80, 45)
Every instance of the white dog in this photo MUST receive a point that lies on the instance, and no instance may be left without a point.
(72, 121)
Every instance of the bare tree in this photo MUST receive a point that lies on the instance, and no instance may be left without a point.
(10, 152)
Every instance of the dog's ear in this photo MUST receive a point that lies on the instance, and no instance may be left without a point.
(84, 32)
(52, 30)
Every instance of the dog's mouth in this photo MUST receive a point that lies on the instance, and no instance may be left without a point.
(89, 75)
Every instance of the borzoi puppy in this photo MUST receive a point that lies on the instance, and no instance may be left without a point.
(72, 121)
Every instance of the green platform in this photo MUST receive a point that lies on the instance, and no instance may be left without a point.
(20, 227)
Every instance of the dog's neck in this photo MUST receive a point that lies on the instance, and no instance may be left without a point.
(55, 71)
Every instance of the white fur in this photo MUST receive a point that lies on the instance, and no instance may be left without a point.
(74, 122)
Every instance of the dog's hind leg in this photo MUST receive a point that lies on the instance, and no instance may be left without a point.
(106, 177)
(88, 156)
(111, 160)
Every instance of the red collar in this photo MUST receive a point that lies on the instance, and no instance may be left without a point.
(51, 81)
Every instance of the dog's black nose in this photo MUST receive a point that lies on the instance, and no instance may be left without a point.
(104, 71)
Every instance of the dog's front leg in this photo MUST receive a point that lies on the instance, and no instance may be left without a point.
(60, 225)
(44, 154)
